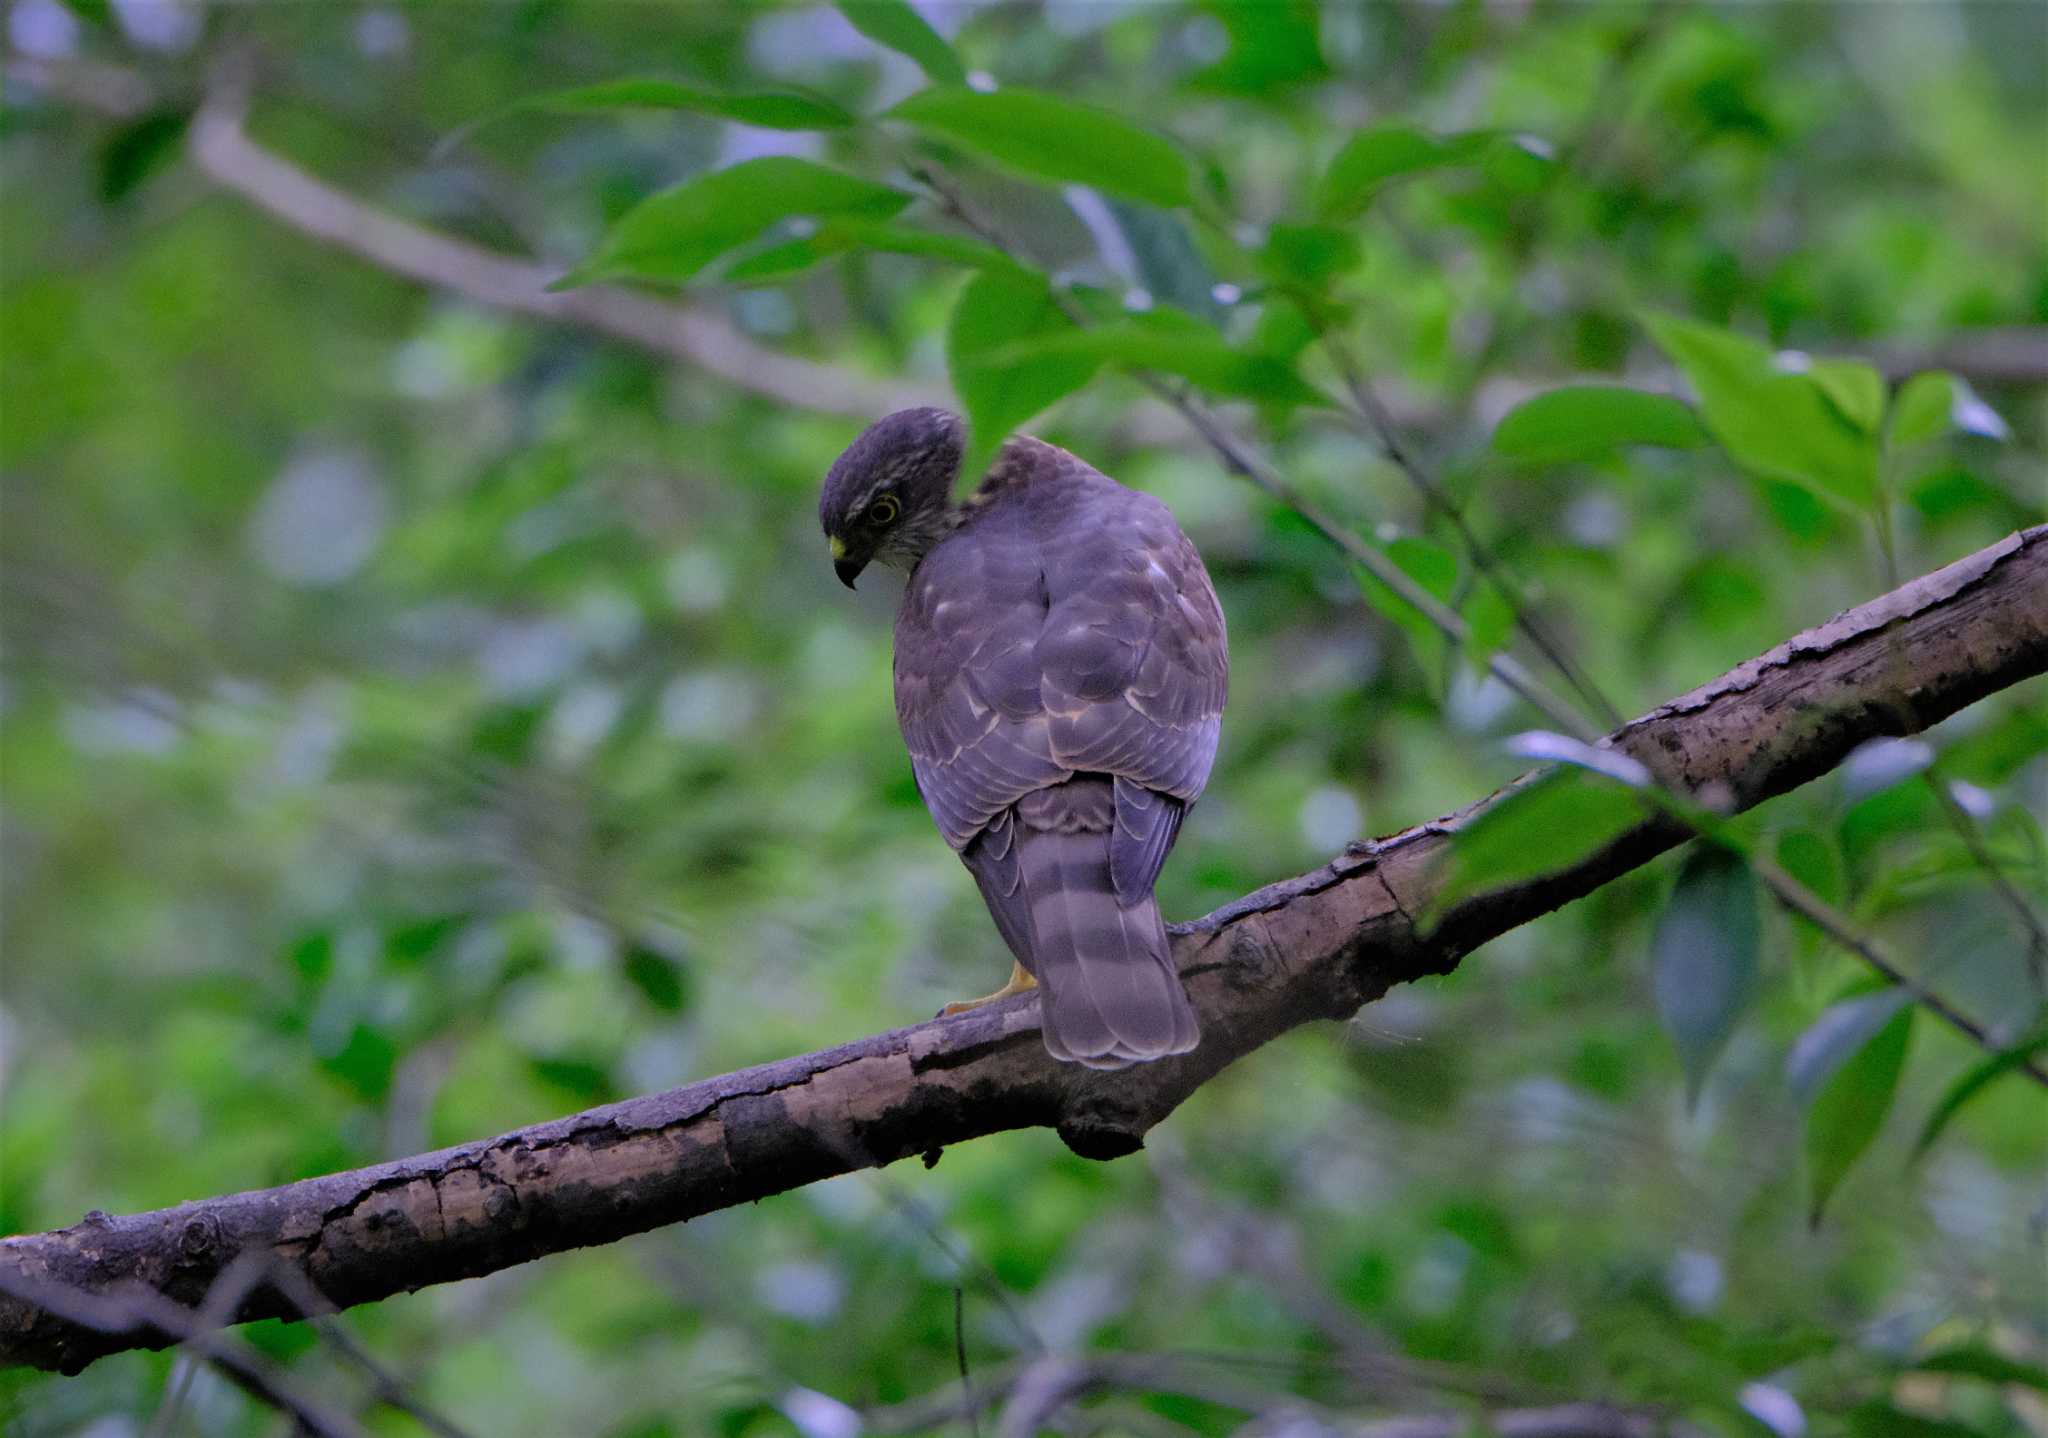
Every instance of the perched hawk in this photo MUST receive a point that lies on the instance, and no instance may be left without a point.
(1060, 673)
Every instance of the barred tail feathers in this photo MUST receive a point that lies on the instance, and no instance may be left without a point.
(1110, 996)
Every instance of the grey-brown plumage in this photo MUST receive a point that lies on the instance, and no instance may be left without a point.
(1060, 677)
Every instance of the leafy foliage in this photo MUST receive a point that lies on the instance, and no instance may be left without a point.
(673, 235)
(1704, 957)
(421, 719)
(1055, 139)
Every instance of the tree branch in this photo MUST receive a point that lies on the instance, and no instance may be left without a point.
(1316, 946)
(220, 148)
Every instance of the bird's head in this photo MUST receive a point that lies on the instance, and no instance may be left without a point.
(886, 498)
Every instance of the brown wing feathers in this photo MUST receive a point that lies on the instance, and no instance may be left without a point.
(1060, 673)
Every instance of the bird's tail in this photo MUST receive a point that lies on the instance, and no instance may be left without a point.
(1110, 994)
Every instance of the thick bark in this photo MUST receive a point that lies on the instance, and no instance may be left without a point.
(1314, 947)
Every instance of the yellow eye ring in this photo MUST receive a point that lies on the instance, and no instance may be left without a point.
(884, 510)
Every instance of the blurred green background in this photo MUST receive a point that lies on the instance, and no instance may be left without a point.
(422, 719)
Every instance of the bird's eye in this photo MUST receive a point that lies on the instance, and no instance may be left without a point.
(884, 510)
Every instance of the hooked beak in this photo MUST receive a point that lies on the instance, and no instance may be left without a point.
(847, 569)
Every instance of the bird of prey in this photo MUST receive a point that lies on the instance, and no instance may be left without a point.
(1060, 676)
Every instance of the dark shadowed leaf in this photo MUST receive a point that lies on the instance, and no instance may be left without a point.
(895, 24)
(840, 237)
(1777, 423)
(416, 942)
(999, 312)
(673, 235)
(138, 150)
(1548, 824)
(1847, 1067)
(1590, 421)
(1878, 1418)
(585, 1080)
(365, 1063)
(1170, 266)
(659, 978)
(1703, 957)
(1048, 138)
(1976, 1361)
(1973, 1081)
(768, 109)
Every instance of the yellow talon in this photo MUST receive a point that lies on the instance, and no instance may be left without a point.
(1020, 982)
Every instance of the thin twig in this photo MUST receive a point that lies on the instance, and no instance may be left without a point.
(1373, 416)
(1973, 841)
(1803, 901)
(220, 147)
(134, 1306)
(960, 1353)
(1242, 462)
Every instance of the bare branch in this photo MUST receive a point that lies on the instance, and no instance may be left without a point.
(220, 148)
(1316, 946)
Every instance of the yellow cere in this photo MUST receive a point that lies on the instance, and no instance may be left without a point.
(837, 546)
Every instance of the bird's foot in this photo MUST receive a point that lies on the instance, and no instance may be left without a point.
(1020, 982)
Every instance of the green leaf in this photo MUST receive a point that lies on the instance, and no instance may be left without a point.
(1273, 46)
(1372, 158)
(659, 978)
(1703, 957)
(1170, 265)
(674, 234)
(1848, 1065)
(838, 237)
(585, 1080)
(1491, 619)
(1976, 1361)
(1548, 824)
(768, 109)
(1514, 164)
(1973, 1081)
(1188, 349)
(894, 24)
(1855, 389)
(1922, 410)
(1048, 138)
(1547, 747)
(1432, 567)
(365, 1063)
(1308, 256)
(998, 312)
(1778, 424)
(1581, 422)
(1877, 1418)
(138, 150)
(1843, 1028)
(1808, 857)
